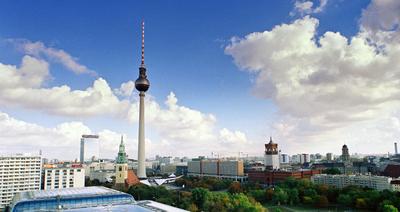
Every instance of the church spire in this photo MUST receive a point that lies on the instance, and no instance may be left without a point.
(121, 158)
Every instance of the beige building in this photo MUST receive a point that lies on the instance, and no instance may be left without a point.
(223, 169)
(18, 173)
(341, 181)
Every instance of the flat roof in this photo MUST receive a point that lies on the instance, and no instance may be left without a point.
(66, 192)
(141, 206)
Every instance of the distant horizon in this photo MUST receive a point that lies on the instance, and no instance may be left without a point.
(225, 76)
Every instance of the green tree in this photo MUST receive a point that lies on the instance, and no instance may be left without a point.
(344, 199)
(308, 200)
(331, 171)
(389, 208)
(259, 194)
(199, 196)
(293, 196)
(280, 196)
(241, 203)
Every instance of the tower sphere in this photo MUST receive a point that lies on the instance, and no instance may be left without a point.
(142, 83)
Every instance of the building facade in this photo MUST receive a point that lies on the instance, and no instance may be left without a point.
(223, 169)
(64, 177)
(271, 155)
(18, 173)
(341, 181)
(272, 177)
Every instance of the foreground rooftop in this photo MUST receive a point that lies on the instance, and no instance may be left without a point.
(83, 199)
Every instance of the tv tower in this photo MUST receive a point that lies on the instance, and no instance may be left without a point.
(142, 84)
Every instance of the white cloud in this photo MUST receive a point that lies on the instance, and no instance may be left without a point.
(126, 89)
(303, 7)
(175, 125)
(323, 85)
(38, 49)
(382, 15)
(232, 137)
(24, 86)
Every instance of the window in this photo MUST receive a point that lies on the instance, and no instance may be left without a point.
(120, 168)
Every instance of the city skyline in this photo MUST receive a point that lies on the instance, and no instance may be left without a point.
(225, 76)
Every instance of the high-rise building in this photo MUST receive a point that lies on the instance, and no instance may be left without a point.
(142, 84)
(63, 177)
(345, 153)
(84, 139)
(18, 173)
(295, 159)
(121, 168)
(395, 148)
(304, 158)
(329, 156)
(271, 155)
(284, 158)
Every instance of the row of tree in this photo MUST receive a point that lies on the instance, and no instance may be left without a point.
(197, 199)
(210, 194)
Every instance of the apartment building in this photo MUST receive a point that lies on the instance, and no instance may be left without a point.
(341, 181)
(63, 177)
(19, 172)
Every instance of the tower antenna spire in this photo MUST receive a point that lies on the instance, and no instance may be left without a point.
(142, 62)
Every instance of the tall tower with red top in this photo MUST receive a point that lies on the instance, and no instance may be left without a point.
(271, 155)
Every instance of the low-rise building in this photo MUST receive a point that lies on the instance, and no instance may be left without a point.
(272, 177)
(102, 175)
(395, 185)
(223, 169)
(341, 181)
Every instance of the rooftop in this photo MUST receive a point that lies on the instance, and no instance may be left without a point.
(83, 199)
(66, 192)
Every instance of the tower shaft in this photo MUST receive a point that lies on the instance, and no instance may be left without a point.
(141, 172)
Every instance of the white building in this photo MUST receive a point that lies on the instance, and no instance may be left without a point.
(284, 158)
(295, 159)
(395, 185)
(100, 165)
(18, 173)
(341, 181)
(329, 156)
(102, 175)
(66, 177)
(305, 158)
(271, 155)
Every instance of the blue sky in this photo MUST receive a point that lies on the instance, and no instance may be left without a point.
(185, 54)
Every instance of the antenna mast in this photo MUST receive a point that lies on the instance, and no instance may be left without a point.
(142, 63)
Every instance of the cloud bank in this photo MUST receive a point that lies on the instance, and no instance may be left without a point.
(326, 85)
